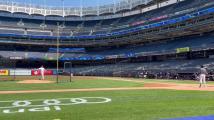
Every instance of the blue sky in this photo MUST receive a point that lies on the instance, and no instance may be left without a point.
(73, 3)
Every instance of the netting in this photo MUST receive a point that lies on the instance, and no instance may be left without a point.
(65, 75)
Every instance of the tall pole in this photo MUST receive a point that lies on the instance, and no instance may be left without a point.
(81, 6)
(63, 8)
(57, 54)
(115, 6)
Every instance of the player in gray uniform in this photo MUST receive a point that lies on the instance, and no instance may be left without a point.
(202, 77)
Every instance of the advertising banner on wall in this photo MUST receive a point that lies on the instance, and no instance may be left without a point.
(37, 72)
(4, 72)
(183, 50)
(20, 72)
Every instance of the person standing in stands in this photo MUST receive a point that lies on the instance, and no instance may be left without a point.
(42, 72)
(202, 76)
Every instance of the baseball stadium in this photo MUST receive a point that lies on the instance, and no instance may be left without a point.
(106, 59)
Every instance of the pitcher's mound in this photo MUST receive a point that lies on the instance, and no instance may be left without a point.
(35, 82)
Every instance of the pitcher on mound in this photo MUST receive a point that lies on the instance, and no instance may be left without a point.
(42, 71)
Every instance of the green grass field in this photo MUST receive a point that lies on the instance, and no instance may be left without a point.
(77, 83)
(124, 104)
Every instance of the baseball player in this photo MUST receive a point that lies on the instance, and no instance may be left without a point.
(42, 71)
(202, 77)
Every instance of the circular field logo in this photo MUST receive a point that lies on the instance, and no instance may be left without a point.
(42, 105)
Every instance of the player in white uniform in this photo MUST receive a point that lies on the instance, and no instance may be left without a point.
(42, 71)
(202, 77)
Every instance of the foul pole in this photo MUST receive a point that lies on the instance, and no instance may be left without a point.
(57, 54)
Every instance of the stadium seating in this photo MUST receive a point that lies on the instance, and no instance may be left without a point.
(173, 65)
(194, 42)
(100, 26)
(26, 30)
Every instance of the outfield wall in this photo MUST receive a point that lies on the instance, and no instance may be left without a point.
(20, 72)
(25, 72)
(4, 72)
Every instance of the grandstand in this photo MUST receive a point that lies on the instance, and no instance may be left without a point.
(147, 34)
(186, 66)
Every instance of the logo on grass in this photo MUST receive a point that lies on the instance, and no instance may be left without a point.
(44, 105)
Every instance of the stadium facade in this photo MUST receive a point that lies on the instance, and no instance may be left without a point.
(120, 37)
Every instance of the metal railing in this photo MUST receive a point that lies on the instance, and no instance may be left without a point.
(71, 11)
